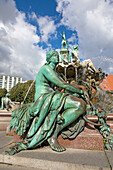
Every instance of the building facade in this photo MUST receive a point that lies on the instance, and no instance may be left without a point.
(8, 82)
(107, 83)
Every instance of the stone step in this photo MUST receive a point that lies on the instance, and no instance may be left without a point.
(95, 118)
(110, 116)
(110, 122)
(5, 119)
(111, 125)
(4, 125)
(91, 128)
(4, 111)
(8, 114)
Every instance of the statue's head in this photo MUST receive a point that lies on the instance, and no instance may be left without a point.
(7, 94)
(52, 56)
(75, 47)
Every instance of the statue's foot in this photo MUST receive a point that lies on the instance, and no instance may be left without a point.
(54, 144)
(13, 150)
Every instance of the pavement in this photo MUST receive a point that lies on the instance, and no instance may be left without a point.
(44, 158)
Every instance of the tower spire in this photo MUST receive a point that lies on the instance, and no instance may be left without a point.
(64, 52)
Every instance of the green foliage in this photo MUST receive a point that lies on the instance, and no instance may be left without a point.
(18, 92)
(3, 92)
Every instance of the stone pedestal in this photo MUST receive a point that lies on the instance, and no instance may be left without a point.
(88, 139)
(84, 141)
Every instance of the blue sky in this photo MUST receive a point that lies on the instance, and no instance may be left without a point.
(30, 28)
(45, 8)
(40, 7)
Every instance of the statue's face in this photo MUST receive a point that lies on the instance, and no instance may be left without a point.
(55, 59)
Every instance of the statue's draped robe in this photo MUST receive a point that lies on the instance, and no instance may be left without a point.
(38, 119)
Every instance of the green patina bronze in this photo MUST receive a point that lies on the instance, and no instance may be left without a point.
(74, 54)
(52, 110)
(62, 102)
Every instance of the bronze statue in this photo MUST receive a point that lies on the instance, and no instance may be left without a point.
(7, 103)
(52, 110)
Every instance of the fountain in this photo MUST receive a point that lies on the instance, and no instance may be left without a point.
(84, 73)
(99, 104)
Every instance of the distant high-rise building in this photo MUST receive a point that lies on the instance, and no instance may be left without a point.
(8, 82)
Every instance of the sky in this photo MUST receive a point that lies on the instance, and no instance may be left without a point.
(31, 28)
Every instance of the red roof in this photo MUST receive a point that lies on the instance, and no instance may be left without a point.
(107, 83)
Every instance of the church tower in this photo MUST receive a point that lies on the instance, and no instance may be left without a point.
(64, 52)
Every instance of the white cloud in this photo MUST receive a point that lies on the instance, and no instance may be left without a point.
(73, 38)
(111, 69)
(8, 11)
(18, 54)
(93, 21)
(47, 26)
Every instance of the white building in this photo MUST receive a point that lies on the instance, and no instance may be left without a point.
(9, 81)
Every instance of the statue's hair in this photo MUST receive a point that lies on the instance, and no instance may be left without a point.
(49, 55)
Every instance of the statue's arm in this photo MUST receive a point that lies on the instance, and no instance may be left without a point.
(52, 77)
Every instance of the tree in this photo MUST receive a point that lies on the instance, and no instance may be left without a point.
(18, 92)
(2, 92)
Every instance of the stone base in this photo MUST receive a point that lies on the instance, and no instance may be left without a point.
(84, 141)
(88, 139)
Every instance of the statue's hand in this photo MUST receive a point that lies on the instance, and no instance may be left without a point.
(84, 94)
(82, 89)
